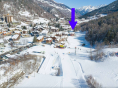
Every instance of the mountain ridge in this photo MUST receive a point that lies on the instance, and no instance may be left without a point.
(85, 9)
(112, 7)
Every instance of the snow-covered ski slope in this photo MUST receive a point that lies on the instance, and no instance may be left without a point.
(73, 67)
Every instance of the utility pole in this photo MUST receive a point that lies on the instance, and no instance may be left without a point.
(75, 50)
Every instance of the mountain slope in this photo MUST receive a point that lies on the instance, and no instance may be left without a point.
(42, 8)
(85, 9)
(113, 7)
(56, 8)
(104, 29)
(15, 7)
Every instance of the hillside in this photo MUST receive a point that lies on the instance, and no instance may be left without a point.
(56, 9)
(113, 7)
(30, 8)
(19, 7)
(104, 29)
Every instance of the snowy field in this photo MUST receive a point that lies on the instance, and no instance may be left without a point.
(73, 67)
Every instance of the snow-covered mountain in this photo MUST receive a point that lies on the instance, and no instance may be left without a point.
(85, 9)
(56, 8)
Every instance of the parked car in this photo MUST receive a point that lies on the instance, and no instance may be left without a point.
(36, 52)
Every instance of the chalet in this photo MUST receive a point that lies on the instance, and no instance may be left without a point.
(35, 33)
(54, 29)
(53, 37)
(59, 34)
(6, 33)
(25, 31)
(66, 27)
(63, 38)
(72, 34)
(16, 37)
(18, 29)
(58, 39)
(65, 33)
(44, 32)
(17, 32)
(40, 39)
(49, 40)
(11, 29)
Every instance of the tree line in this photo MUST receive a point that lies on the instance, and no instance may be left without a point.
(104, 29)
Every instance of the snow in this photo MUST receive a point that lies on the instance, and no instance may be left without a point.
(40, 37)
(56, 15)
(41, 20)
(73, 66)
(17, 32)
(6, 6)
(49, 39)
(85, 9)
(24, 13)
(15, 36)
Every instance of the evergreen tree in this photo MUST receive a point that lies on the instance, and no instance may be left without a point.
(35, 39)
(29, 32)
(24, 27)
(9, 25)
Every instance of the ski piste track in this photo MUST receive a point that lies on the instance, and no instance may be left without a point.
(68, 75)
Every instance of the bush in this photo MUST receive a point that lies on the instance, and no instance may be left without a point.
(83, 44)
(92, 82)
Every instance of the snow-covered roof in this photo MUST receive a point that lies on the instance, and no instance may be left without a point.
(40, 37)
(58, 32)
(1, 41)
(15, 36)
(72, 33)
(45, 31)
(52, 35)
(64, 37)
(49, 39)
(17, 31)
(7, 38)
(11, 28)
(65, 33)
(53, 27)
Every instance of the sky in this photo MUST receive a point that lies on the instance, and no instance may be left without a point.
(79, 3)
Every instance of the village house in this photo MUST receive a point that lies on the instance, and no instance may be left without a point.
(59, 34)
(16, 37)
(25, 31)
(44, 32)
(66, 27)
(48, 40)
(6, 33)
(40, 39)
(11, 29)
(17, 32)
(35, 33)
(65, 33)
(61, 20)
(64, 38)
(58, 39)
(71, 34)
(53, 37)
(53, 29)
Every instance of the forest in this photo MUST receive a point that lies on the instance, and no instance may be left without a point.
(104, 29)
